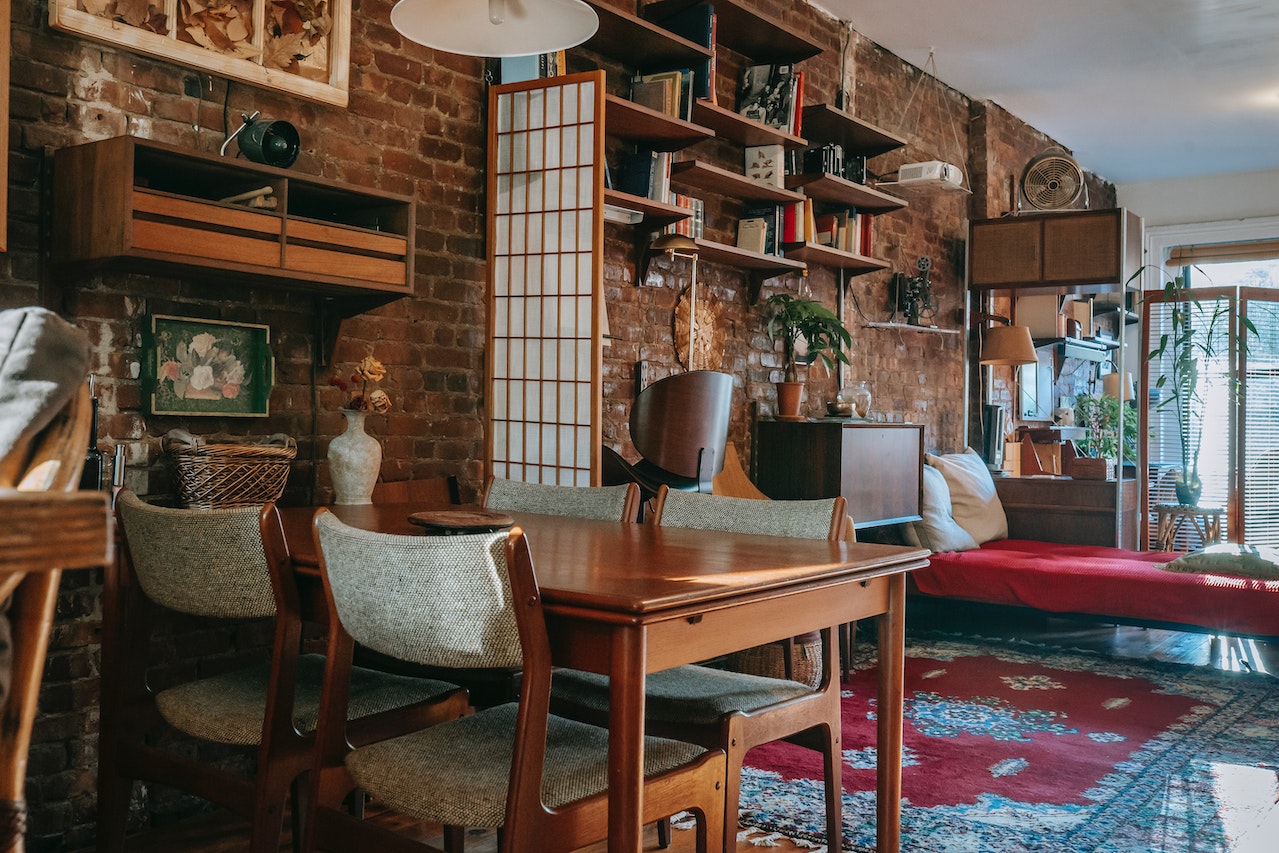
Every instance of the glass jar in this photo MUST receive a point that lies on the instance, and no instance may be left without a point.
(859, 394)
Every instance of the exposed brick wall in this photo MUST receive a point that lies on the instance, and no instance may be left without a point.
(415, 125)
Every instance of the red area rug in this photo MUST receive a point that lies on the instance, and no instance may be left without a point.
(1021, 748)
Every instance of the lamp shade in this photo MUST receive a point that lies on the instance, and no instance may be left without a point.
(1008, 345)
(495, 27)
(1110, 386)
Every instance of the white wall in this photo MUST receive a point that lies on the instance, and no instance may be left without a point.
(1210, 198)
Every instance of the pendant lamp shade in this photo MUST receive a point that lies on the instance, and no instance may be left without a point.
(495, 27)
(1008, 345)
(1112, 387)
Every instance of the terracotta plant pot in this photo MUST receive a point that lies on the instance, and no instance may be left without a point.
(790, 396)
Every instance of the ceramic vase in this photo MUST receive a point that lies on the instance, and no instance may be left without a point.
(355, 459)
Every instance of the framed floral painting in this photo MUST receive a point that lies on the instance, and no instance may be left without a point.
(207, 367)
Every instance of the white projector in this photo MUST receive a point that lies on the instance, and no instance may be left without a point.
(932, 171)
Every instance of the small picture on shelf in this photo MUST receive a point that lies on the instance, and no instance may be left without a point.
(766, 95)
(765, 163)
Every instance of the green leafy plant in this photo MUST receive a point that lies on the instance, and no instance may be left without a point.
(1099, 416)
(1200, 335)
(809, 331)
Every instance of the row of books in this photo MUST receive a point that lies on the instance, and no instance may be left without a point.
(644, 173)
(772, 163)
(773, 94)
(768, 229)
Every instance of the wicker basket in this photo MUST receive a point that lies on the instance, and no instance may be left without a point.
(770, 662)
(213, 476)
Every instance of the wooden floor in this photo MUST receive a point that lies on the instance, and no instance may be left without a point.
(222, 834)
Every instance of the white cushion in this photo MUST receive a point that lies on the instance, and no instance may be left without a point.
(974, 503)
(1230, 558)
(937, 531)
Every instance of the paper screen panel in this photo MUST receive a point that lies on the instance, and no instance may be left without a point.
(546, 307)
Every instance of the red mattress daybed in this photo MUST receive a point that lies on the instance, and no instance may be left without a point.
(1110, 584)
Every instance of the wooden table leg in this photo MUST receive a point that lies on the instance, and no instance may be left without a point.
(626, 740)
(888, 768)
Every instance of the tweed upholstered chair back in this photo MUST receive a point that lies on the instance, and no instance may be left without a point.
(605, 503)
(435, 600)
(810, 519)
(202, 562)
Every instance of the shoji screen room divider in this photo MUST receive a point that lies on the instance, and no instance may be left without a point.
(545, 250)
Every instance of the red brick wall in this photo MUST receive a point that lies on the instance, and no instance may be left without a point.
(415, 125)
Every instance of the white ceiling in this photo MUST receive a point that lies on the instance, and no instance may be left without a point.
(1138, 90)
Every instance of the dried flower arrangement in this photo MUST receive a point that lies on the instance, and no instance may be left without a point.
(362, 399)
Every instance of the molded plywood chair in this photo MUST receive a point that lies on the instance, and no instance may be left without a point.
(229, 564)
(736, 711)
(605, 503)
(472, 601)
(679, 426)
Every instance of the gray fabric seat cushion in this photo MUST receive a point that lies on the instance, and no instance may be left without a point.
(229, 708)
(692, 694)
(456, 773)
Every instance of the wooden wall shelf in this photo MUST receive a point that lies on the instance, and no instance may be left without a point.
(742, 29)
(816, 253)
(737, 127)
(701, 175)
(833, 188)
(636, 42)
(910, 327)
(655, 130)
(146, 205)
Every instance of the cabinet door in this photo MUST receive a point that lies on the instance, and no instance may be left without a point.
(1005, 251)
(544, 400)
(1082, 247)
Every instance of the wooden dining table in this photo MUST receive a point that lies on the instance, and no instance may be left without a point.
(625, 600)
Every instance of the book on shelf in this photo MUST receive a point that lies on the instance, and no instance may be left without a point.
(827, 230)
(659, 91)
(697, 24)
(686, 82)
(764, 163)
(797, 104)
(752, 234)
(694, 225)
(766, 94)
(772, 216)
(865, 233)
(799, 223)
(825, 159)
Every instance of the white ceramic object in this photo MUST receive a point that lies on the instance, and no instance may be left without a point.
(355, 460)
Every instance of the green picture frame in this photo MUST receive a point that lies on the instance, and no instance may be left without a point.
(212, 368)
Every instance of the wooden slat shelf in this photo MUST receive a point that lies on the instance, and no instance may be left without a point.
(909, 327)
(739, 128)
(744, 30)
(703, 176)
(658, 131)
(636, 42)
(833, 188)
(723, 253)
(655, 213)
(824, 123)
(816, 253)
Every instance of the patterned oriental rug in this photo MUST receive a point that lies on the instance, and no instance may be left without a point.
(1014, 748)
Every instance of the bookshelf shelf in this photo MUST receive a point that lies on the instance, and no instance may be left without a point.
(816, 253)
(698, 174)
(833, 188)
(742, 29)
(639, 43)
(734, 126)
(658, 131)
(907, 327)
(824, 123)
(654, 213)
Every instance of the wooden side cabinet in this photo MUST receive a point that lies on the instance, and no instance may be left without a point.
(1069, 511)
(1077, 251)
(876, 467)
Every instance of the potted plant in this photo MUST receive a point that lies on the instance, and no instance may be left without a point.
(1200, 335)
(1099, 416)
(810, 332)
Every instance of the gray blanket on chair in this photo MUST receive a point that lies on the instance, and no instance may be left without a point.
(43, 360)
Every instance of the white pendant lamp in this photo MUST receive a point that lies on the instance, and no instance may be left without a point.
(495, 27)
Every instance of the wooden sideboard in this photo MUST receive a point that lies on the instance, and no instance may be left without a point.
(1069, 511)
(876, 467)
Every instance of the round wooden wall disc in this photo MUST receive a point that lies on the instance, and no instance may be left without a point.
(709, 339)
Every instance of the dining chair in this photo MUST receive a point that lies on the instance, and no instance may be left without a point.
(429, 490)
(232, 566)
(604, 503)
(732, 710)
(472, 600)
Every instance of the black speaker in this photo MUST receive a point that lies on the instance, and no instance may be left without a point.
(275, 143)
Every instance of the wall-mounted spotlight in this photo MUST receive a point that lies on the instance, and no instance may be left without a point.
(264, 140)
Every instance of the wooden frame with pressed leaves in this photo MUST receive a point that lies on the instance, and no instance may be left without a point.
(261, 32)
